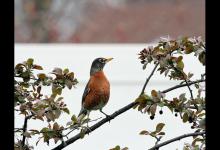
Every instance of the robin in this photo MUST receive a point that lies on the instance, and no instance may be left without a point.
(97, 90)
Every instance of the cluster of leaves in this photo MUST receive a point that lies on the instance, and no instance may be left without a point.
(194, 145)
(165, 54)
(168, 54)
(157, 133)
(119, 148)
(33, 104)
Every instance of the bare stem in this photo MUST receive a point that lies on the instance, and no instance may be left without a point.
(25, 129)
(176, 139)
(148, 79)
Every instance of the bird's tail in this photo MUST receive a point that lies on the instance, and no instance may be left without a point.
(83, 112)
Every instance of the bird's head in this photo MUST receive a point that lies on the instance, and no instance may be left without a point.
(98, 64)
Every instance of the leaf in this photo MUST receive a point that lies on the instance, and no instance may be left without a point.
(69, 123)
(59, 90)
(27, 134)
(50, 116)
(159, 127)
(33, 131)
(180, 58)
(116, 148)
(144, 132)
(125, 148)
(161, 133)
(180, 65)
(55, 126)
(153, 134)
(196, 140)
(59, 99)
(73, 118)
(57, 71)
(37, 67)
(182, 96)
(70, 75)
(190, 75)
(40, 113)
(154, 93)
(66, 110)
(41, 76)
(56, 140)
(185, 117)
(30, 61)
(68, 84)
(82, 134)
(166, 72)
(153, 109)
(57, 113)
(66, 70)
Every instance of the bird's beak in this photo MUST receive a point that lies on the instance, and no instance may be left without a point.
(108, 60)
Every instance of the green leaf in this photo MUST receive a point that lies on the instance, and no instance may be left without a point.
(82, 134)
(116, 148)
(66, 110)
(30, 61)
(70, 75)
(180, 58)
(185, 117)
(144, 132)
(73, 118)
(159, 127)
(66, 70)
(180, 65)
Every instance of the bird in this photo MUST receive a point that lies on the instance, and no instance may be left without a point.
(97, 91)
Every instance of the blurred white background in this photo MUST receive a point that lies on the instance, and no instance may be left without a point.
(126, 77)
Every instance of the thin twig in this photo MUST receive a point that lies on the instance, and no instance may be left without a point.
(148, 79)
(176, 139)
(182, 85)
(190, 90)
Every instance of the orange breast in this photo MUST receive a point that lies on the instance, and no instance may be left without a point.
(99, 92)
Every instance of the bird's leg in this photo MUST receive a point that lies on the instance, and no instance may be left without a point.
(87, 124)
(107, 116)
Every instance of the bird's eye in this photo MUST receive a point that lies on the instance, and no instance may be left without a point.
(101, 60)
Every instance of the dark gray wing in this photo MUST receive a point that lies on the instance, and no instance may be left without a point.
(85, 93)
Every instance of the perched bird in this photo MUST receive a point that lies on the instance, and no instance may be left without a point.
(97, 90)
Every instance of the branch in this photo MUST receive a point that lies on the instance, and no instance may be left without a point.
(115, 114)
(148, 79)
(25, 129)
(190, 90)
(182, 85)
(175, 139)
